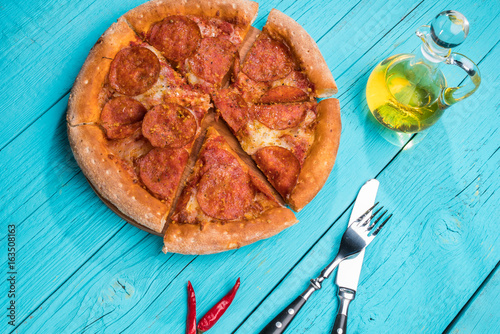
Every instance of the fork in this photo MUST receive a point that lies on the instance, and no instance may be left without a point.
(357, 236)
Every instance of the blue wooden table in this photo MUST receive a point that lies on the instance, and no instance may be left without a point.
(80, 268)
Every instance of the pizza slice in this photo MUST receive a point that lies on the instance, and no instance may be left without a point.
(224, 205)
(200, 38)
(132, 123)
(271, 107)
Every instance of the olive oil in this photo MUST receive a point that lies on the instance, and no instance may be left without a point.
(407, 92)
(403, 93)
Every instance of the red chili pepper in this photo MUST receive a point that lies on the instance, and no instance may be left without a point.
(191, 315)
(214, 314)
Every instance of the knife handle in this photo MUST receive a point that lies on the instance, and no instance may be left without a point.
(285, 317)
(340, 324)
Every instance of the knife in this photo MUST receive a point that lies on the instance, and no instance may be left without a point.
(349, 269)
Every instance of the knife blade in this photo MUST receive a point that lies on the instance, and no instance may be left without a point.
(348, 271)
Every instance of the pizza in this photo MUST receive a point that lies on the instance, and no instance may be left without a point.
(195, 126)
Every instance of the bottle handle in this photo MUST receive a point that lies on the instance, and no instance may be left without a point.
(452, 95)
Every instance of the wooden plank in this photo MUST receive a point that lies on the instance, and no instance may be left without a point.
(39, 163)
(353, 124)
(482, 312)
(441, 244)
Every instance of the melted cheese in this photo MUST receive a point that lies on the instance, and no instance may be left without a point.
(193, 79)
(286, 81)
(258, 135)
(192, 205)
(154, 95)
(208, 28)
(171, 91)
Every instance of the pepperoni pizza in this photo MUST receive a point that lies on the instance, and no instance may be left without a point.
(147, 121)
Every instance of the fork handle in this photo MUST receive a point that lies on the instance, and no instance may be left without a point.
(285, 317)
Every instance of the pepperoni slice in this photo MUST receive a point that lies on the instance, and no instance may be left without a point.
(284, 94)
(232, 107)
(122, 116)
(169, 125)
(268, 60)
(177, 37)
(282, 116)
(134, 70)
(225, 192)
(213, 59)
(280, 166)
(161, 169)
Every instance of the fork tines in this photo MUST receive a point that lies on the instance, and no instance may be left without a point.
(364, 220)
(362, 217)
(381, 225)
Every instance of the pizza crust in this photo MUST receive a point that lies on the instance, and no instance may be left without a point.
(215, 238)
(112, 181)
(85, 101)
(281, 26)
(321, 156)
(241, 12)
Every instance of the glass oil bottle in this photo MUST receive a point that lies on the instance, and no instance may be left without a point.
(408, 92)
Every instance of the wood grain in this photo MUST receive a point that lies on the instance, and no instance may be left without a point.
(480, 315)
(84, 269)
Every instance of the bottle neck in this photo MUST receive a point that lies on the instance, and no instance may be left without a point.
(430, 52)
(422, 56)
(429, 58)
